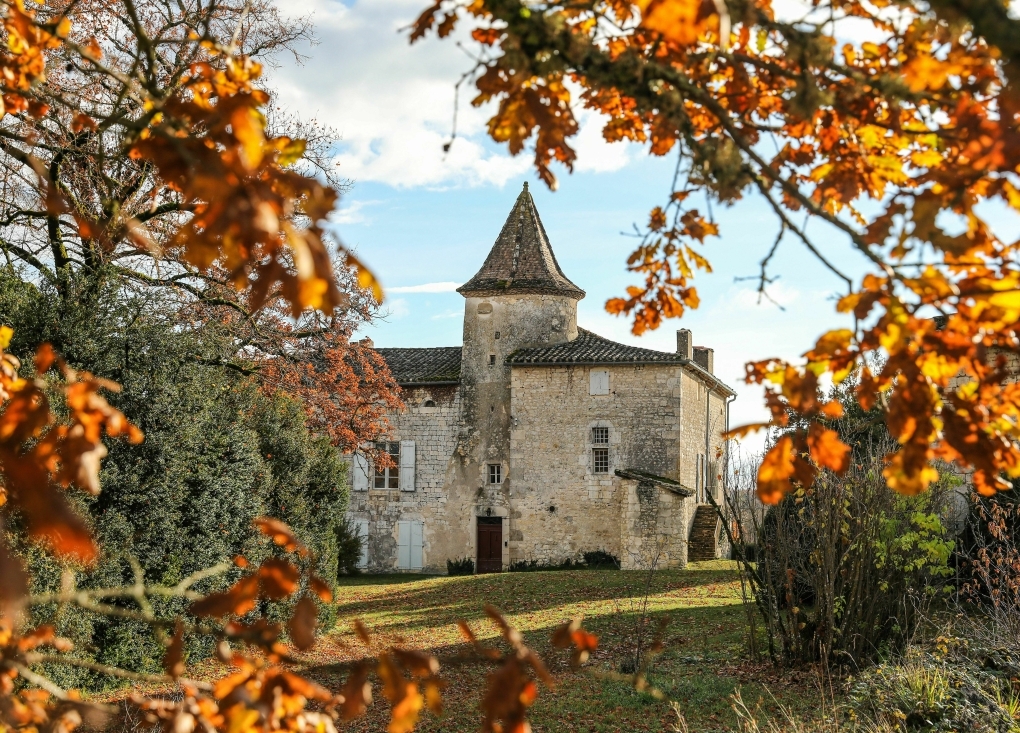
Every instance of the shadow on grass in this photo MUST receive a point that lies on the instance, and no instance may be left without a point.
(446, 599)
(702, 641)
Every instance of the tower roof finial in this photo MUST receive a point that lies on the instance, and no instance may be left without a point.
(525, 185)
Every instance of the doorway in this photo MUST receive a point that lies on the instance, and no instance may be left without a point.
(490, 544)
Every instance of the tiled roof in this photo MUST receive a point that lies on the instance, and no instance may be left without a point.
(423, 366)
(590, 348)
(521, 260)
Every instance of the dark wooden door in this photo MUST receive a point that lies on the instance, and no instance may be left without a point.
(490, 544)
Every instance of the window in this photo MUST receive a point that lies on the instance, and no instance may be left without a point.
(429, 403)
(598, 382)
(600, 460)
(600, 436)
(492, 360)
(389, 477)
(495, 473)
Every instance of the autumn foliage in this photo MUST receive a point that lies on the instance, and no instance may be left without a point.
(893, 125)
(148, 156)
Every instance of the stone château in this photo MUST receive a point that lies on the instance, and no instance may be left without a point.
(539, 440)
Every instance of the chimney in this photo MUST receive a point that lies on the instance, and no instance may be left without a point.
(704, 357)
(366, 343)
(685, 343)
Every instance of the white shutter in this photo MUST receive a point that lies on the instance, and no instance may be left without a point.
(598, 382)
(416, 545)
(359, 472)
(404, 545)
(362, 525)
(407, 465)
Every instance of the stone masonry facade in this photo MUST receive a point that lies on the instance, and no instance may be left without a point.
(537, 440)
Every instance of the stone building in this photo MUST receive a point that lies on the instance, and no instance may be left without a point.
(539, 440)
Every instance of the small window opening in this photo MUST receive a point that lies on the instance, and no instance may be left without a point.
(495, 473)
(497, 334)
(389, 477)
(429, 403)
(492, 360)
(600, 460)
(600, 436)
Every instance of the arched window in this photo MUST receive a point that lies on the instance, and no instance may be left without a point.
(429, 403)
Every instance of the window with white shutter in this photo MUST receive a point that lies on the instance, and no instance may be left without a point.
(407, 465)
(362, 527)
(409, 545)
(598, 382)
(417, 530)
(404, 545)
(359, 472)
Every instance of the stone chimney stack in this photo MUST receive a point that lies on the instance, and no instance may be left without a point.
(366, 343)
(704, 357)
(685, 343)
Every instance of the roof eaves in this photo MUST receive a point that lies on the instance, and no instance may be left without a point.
(668, 484)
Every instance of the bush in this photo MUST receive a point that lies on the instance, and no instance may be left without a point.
(937, 690)
(217, 453)
(348, 547)
(841, 568)
(601, 559)
(463, 566)
(593, 560)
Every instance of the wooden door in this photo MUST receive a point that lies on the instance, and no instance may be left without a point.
(490, 544)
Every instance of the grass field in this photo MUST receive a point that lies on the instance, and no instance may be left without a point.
(703, 662)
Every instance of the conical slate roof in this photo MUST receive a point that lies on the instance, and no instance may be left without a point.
(521, 260)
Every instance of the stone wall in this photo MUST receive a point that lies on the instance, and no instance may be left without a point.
(434, 430)
(560, 508)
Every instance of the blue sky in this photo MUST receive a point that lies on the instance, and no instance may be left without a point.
(419, 217)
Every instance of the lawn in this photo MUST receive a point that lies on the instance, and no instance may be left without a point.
(704, 658)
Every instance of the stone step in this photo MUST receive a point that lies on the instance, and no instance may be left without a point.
(701, 545)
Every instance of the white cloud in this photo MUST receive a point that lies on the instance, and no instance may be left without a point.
(396, 308)
(444, 287)
(778, 294)
(594, 154)
(448, 314)
(351, 213)
(393, 102)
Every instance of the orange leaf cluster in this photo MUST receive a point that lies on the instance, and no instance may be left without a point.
(922, 120)
(209, 143)
(38, 457)
(23, 57)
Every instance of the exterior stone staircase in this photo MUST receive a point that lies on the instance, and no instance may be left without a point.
(702, 542)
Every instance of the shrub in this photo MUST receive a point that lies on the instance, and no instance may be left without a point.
(594, 559)
(936, 690)
(348, 547)
(217, 453)
(463, 566)
(842, 568)
(601, 559)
